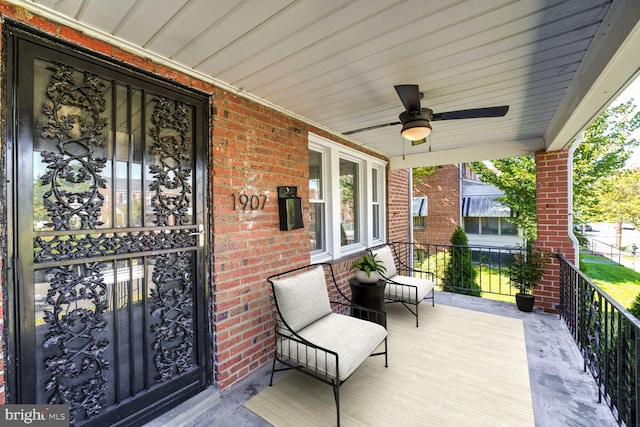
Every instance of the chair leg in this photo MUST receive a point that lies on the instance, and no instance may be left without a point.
(386, 364)
(273, 369)
(417, 314)
(336, 395)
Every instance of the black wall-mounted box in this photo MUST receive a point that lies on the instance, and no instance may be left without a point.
(290, 207)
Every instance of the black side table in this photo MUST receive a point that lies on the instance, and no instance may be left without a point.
(368, 295)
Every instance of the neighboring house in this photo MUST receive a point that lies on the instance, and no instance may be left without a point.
(486, 221)
(454, 195)
(441, 196)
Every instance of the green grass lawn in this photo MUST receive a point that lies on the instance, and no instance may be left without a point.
(621, 283)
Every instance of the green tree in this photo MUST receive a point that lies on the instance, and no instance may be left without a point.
(516, 177)
(619, 198)
(459, 274)
(420, 175)
(607, 145)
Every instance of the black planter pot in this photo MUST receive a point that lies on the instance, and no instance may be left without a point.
(525, 302)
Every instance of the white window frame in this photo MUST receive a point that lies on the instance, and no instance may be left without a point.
(331, 154)
(322, 201)
(500, 222)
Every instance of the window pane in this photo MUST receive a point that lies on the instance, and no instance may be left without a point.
(374, 185)
(490, 226)
(376, 221)
(419, 222)
(316, 211)
(316, 226)
(315, 176)
(376, 204)
(508, 228)
(471, 225)
(349, 209)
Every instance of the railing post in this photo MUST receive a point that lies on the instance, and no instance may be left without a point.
(637, 376)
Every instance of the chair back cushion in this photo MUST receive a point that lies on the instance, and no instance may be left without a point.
(302, 299)
(384, 254)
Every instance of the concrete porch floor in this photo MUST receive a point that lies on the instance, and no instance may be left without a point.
(563, 395)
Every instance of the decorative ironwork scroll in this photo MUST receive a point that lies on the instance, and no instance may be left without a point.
(173, 300)
(174, 306)
(629, 366)
(60, 248)
(77, 294)
(74, 189)
(171, 134)
(593, 349)
(78, 298)
(72, 110)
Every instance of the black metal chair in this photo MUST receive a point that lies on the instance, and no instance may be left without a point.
(405, 284)
(318, 336)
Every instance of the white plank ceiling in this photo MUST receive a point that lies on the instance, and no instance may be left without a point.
(333, 63)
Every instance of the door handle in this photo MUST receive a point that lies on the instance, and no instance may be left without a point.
(200, 234)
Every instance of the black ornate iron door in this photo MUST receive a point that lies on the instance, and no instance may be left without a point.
(109, 219)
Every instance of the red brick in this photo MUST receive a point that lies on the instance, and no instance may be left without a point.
(130, 58)
(443, 190)
(553, 222)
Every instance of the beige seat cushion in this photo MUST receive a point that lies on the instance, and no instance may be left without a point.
(353, 339)
(406, 293)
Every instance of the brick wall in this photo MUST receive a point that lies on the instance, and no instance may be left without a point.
(399, 213)
(552, 181)
(443, 191)
(253, 150)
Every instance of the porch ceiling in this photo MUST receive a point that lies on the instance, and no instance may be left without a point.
(333, 63)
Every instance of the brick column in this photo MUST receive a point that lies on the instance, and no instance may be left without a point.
(552, 200)
(398, 206)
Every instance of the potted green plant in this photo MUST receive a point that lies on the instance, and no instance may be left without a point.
(526, 269)
(368, 268)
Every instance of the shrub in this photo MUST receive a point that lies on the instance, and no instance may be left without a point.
(459, 274)
(635, 307)
(526, 269)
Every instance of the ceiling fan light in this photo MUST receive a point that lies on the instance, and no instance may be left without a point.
(416, 130)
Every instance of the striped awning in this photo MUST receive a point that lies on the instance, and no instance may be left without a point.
(484, 206)
(420, 205)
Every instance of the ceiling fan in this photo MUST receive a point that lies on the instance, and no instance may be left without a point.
(416, 121)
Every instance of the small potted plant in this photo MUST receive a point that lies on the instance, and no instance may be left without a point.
(524, 272)
(368, 268)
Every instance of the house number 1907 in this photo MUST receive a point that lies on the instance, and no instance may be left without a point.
(253, 202)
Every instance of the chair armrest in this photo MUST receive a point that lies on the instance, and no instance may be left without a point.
(297, 352)
(408, 288)
(415, 270)
(366, 313)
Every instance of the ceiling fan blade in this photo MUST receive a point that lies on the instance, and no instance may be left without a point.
(474, 113)
(410, 97)
(371, 128)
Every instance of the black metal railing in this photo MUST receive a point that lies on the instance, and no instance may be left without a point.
(485, 274)
(607, 250)
(608, 337)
